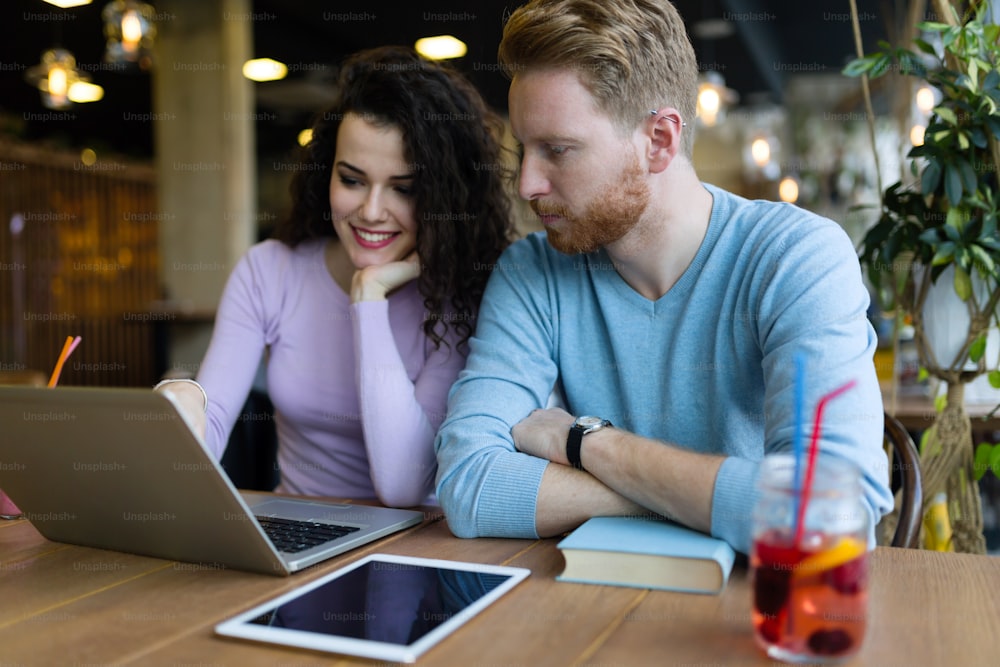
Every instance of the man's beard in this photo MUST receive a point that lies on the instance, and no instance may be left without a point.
(607, 218)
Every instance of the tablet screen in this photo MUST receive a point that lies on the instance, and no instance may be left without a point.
(383, 606)
(383, 601)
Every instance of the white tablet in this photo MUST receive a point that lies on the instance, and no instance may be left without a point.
(383, 606)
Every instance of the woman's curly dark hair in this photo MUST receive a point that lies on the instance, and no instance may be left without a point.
(452, 143)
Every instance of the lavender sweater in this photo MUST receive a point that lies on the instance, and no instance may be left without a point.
(358, 389)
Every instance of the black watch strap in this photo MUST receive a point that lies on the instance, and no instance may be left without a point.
(573, 442)
(581, 427)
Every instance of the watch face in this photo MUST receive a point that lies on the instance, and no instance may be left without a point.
(589, 422)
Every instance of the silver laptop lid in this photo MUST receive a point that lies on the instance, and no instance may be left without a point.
(120, 469)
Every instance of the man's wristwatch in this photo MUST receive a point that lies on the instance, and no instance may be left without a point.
(581, 427)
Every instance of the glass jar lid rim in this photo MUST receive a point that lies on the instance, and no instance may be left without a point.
(777, 470)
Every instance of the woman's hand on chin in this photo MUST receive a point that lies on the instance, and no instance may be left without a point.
(374, 283)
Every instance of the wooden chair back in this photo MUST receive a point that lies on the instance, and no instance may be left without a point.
(903, 456)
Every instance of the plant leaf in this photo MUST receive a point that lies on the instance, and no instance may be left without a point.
(981, 463)
(947, 115)
(931, 178)
(864, 65)
(910, 63)
(977, 349)
(925, 47)
(962, 258)
(948, 38)
(968, 173)
(994, 378)
(963, 284)
(983, 257)
(978, 137)
(953, 184)
(956, 218)
(944, 254)
(991, 243)
(932, 26)
(994, 124)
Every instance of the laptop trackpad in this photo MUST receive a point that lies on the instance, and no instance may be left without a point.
(304, 511)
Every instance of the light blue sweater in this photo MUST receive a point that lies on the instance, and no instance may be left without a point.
(708, 366)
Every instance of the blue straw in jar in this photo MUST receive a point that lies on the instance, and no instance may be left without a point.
(797, 435)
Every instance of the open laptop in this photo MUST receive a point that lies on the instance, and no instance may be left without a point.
(121, 469)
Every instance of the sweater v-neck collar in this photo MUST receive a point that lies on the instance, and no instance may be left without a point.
(611, 279)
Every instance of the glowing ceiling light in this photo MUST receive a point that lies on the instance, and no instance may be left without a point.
(66, 4)
(441, 47)
(788, 189)
(713, 99)
(709, 101)
(55, 77)
(57, 83)
(925, 99)
(760, 151)
(264, 69)
(83, 92)
(130, 29)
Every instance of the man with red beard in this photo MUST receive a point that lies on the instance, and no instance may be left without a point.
(668, 311)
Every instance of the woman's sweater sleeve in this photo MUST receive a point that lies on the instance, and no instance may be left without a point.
(399, 416)
(230, 364)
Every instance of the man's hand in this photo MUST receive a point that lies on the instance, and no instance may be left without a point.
(373, 283)
(543, 434)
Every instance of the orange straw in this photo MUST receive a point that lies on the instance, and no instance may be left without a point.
(67, 350)
(813, 451)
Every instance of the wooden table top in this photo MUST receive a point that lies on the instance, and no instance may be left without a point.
(68, 605)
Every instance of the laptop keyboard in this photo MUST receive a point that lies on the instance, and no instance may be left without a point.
(293, 536)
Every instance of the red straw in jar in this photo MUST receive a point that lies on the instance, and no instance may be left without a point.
(813, 451)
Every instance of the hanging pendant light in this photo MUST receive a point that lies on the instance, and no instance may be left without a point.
(764, 155)
(130, 29)
(55, 77)
(713, 98)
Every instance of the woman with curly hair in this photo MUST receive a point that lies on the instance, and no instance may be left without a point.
(365, 299)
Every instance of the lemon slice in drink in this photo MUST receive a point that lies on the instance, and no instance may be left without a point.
(846, 549)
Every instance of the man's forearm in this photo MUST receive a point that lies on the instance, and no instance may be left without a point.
(666, 479)
(567, 497)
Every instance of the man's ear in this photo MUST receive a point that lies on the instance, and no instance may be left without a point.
(664, 130)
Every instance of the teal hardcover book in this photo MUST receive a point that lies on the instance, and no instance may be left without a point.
(646, 553)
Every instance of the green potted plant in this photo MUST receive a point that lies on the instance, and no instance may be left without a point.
(942, 226)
